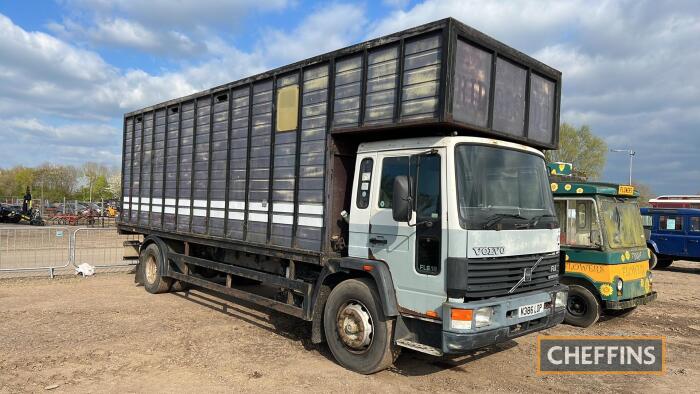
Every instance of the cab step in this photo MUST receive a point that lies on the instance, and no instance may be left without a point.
(419, 347)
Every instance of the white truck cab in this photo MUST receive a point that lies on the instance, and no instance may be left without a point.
(479, 249)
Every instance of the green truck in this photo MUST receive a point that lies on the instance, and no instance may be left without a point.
(603, 245)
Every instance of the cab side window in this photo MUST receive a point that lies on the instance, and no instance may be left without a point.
(695, 224)
(391, 168)
(365, 180)
(647, 221)
(580, 226)
(671, 222)
(428, 188)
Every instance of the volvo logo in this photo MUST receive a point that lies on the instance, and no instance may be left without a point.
(489, 250)
(527, 275)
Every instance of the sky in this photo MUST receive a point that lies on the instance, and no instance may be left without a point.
(70, 69)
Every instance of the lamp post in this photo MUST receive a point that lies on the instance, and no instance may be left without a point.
(631, 153)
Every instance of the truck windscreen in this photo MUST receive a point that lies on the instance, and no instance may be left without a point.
(622, 223)
(502, 185)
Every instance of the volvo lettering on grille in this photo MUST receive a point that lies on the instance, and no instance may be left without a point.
(489, 250)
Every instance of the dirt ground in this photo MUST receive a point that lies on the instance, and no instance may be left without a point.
(106, 334)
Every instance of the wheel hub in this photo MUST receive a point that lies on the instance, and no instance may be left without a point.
(151, 269)
(577, 306)
(355, 326)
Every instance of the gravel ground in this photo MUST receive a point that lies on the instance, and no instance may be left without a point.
(104, 333)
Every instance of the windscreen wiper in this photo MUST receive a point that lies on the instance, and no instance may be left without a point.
(497, 217)
(536, 219)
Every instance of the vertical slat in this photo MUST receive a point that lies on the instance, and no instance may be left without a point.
(165, 167)
(526, 127)
(247, 169)
(153, 157)
(177, 176)
(123, 180)
(399, 84)
(227, 194)
(444, 81)
(297, 161)
(271, 167)
(363, 89)
(192, 165)
(492, 89)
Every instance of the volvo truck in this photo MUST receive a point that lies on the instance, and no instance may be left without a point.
(392, 193)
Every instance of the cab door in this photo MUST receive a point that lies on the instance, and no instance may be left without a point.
(693, 238)
(670, 237)
(414, 251)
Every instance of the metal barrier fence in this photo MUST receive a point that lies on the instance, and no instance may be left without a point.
(100, 247)
(28, 250)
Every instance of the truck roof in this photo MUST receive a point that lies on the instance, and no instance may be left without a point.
(434, 79)
(566, 188)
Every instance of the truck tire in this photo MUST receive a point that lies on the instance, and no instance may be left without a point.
(653, 259)
(620, 312)
(150, 264)
(664, 262)
(582, 307)
(365, 344)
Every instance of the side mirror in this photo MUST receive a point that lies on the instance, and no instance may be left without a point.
(401, 208)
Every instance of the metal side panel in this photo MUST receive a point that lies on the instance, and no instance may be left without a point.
(259, 172)
(348, 90)
(238, 162)
(284, 172)
(382, 81)
(217, 165)
(136, 171)
(185, 172)
(126, 168)
(158, 170)
(200, 173)
(421, 78)
(146, 161)
(312, 152)
(171, 169)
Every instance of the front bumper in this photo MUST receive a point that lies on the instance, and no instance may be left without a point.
(505, 325)
(626, 304)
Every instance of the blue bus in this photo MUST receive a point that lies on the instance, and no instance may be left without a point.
(672, 234)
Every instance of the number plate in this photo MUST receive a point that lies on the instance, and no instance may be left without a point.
(530, 310)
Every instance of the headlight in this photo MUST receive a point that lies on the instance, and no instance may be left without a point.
(650, 276)
(619, 284)
(560, 300)
(482, 317)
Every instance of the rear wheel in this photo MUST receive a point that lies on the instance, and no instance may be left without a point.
(358, 334)
(664, 262)
(582, 307)
(150, 264)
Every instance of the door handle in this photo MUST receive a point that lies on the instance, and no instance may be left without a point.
(377, 241)
(693, 241)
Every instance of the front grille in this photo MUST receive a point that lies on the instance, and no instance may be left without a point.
(491, 277)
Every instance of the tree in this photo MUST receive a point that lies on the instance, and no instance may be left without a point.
(92, 172)
(580, 147)
(645, 194)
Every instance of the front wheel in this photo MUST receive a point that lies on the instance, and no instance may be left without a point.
(358, 334)
(653, 259)
(582, 307)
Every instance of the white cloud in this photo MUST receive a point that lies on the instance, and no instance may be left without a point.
(181, 14)
(330, 28)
